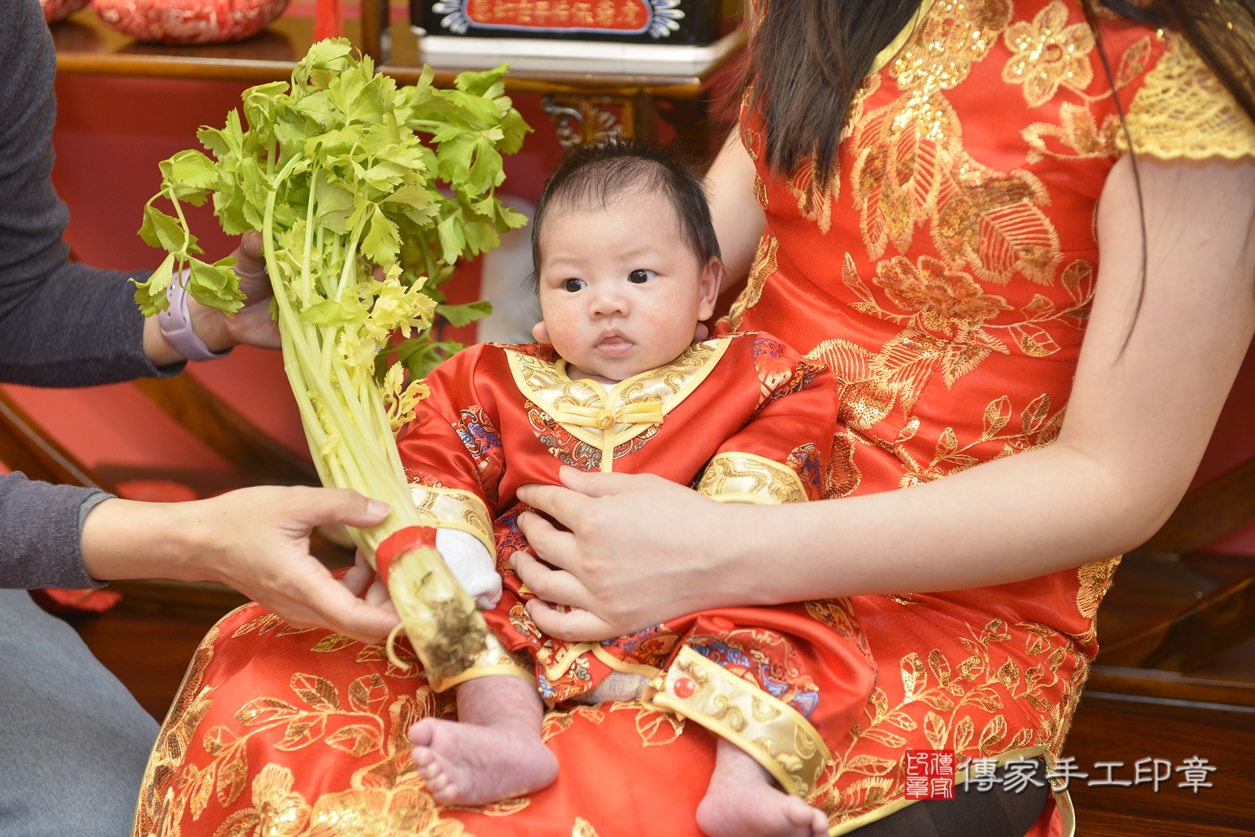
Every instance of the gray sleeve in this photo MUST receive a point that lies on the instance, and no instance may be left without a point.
(61, 324)
(41, 526)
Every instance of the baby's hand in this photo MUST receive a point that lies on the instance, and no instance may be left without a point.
(361, 575)
(471, 564)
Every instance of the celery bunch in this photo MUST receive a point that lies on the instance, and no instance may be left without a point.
(332, 171)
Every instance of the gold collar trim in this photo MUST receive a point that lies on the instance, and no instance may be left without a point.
(607, 419)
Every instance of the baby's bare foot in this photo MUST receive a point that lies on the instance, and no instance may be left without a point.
(742, 802)
(493, 752)
(465, 764)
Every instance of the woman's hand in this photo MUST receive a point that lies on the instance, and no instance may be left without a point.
(639, 552)
(251, 325)
(255, 540)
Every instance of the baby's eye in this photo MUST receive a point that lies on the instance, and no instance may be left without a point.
(640, 277)
(574, 285)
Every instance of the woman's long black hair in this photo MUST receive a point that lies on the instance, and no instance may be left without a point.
(809, 57)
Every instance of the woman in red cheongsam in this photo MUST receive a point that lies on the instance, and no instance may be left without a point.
(914, 195)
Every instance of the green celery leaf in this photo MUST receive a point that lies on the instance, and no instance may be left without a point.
(215, 285)
(328, 312)
(460, 315)
(334, 205)
(150, 296)
(382, 242)
(191, 169)
(452, 238)
(480, 83)
(161, 230)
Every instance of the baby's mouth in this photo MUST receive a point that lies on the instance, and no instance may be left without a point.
(614, 344)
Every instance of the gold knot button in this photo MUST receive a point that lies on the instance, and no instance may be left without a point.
(606, 419)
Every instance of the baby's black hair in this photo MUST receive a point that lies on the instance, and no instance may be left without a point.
(591, 174)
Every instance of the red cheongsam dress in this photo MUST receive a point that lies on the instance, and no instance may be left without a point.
(943, 275)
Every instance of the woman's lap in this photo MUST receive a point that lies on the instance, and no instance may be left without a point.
(274, 718)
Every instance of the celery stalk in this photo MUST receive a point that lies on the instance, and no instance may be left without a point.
(333, 173)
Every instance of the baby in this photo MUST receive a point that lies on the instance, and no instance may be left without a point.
(627, 265)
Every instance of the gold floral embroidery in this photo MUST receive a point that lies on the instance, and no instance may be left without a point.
(1048, 53)
(1077, 131)
(405, 810)
(1095, 579)
(764, 266)
(1183, 110)
(278, 811)
(947, 319)
(583, 828)
(815, 199)
(1038, 428)
(157, 810)
(911, 167)
(939, 696)
(843, 477)
(1078, 135)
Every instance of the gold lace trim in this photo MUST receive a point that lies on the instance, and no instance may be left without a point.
(748, 478)
(604, 419)
(1183, 110)
(773, 733)
(449, 508)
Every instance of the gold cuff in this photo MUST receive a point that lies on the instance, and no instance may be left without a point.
(736, 477)
(494, 659)
(773, 733)
(450, 508)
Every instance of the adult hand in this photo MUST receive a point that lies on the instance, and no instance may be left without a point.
(252, 324)
(640, 550)
(255, 540)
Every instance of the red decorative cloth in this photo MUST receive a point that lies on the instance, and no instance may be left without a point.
(189, 21)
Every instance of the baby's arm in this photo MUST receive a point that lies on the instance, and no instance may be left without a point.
(453, 461)
(782, 455)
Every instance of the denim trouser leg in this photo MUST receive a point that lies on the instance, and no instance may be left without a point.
(73, 742)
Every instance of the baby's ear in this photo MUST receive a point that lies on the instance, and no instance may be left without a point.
(712, 277)
(541, 332)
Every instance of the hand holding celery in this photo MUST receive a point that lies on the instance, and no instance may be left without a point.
(332, 172)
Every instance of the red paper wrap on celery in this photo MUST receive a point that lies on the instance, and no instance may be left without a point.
(332, 171)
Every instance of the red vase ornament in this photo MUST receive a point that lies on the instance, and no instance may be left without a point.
(189, 21)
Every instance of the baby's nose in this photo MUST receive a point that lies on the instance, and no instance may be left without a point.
(606, 303)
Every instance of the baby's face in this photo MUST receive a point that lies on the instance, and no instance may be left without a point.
(620, 290)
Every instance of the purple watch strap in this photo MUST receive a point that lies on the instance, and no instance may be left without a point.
(176, 324)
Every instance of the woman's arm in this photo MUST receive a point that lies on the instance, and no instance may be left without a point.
(255, 540)
(1146, 397)
(739, 220)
